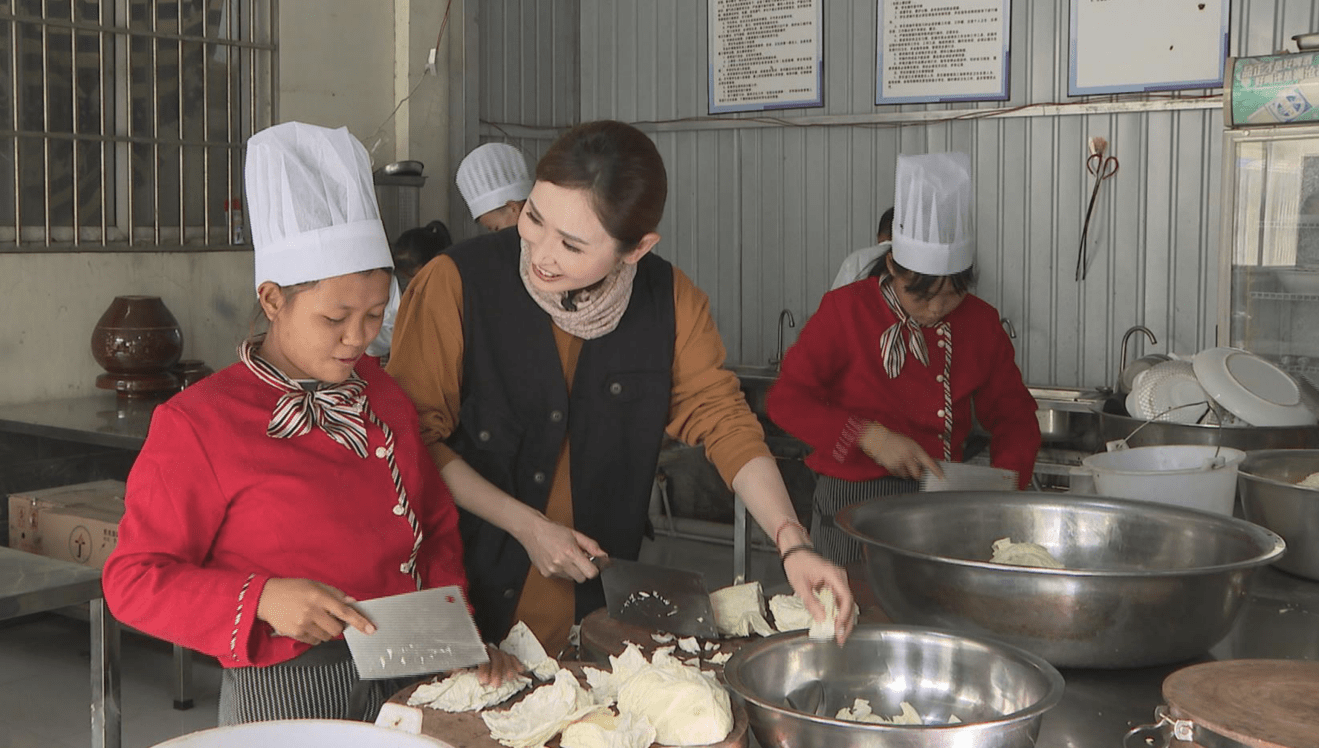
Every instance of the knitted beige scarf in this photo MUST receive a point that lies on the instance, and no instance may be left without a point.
(588, 313)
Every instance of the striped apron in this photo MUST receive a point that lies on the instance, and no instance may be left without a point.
(831, 496)
(321, 683)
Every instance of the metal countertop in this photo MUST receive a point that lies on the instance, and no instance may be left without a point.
(1280, 620)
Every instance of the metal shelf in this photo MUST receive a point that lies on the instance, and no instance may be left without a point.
(1283, 296)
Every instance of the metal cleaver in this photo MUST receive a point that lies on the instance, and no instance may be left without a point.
(959, 476)
(417, 633)
(657, 597)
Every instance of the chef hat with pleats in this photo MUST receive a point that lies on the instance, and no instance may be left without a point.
(933, 206)
(311, 205)
(491, 175)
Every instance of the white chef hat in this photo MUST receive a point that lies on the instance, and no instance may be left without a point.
(491, 175)
(311, 204)
(933, 231)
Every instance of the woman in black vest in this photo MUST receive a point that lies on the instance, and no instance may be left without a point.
(548, 361)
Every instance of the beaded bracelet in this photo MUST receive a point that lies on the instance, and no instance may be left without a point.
(790, 523)
(794, 549)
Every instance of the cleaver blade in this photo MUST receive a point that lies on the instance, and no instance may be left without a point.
(657, 597)
(417, 633)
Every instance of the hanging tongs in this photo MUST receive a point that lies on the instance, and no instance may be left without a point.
(1102, 168)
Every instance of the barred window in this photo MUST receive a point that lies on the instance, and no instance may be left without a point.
(124, 120)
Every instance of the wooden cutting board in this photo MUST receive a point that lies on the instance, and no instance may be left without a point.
(602, 636)
(1257, 703)
(468, 730)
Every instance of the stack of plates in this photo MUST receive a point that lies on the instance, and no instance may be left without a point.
(1169, 392)
(1219, 387)
(1251, 388)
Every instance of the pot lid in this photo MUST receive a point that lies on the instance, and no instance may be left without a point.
(1257, 703)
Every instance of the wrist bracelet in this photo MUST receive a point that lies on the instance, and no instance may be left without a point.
(790, 523)
(799, 547)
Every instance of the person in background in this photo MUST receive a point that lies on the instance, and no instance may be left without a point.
(494, 181)
(273, 494)
(859, 264)
(549, 360)
(882, 381)
(411, 251)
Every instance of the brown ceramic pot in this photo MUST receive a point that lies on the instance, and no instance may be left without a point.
(190, 371)
(137, 340)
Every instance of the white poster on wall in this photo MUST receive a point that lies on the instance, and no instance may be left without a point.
(1121, 46)
(942, 50)
(765, 54)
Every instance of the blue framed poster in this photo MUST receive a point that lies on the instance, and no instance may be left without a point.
(929, 51)
(765, 54)
(1126, 46)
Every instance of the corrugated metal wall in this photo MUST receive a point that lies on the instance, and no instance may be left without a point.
(762, 216)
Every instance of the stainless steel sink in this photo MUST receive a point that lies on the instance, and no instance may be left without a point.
(1067, 414)
(755, 382)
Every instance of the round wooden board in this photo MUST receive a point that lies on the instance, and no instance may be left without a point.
(1257, 703)
(468, 730)
(602, 636)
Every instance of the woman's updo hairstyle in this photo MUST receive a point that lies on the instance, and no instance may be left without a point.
(622, 170)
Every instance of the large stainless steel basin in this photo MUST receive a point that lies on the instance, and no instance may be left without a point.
(1115, 423)
(792, 687)
(1144, 583)
(1270, 497)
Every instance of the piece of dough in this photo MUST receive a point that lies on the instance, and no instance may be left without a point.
(1023, 554)
(1309, 481)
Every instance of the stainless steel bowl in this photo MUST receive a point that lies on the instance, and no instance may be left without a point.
(1144, 583)
(1270, 497)
(999, 692)
(1114, 423)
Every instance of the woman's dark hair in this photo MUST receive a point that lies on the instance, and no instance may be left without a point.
(416, 247)
(924, 286)
(620, 167)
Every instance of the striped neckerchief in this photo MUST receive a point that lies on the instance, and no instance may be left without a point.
(893, 348)
(338, 411)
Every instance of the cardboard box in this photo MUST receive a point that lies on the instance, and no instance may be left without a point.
(78, 523)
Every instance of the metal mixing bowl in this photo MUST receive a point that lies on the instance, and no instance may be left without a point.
(1144, 583)
(792, 686)
(1115, 423)
(1270, 497)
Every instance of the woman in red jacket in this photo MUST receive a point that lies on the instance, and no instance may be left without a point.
(272, 494)
(884, 376)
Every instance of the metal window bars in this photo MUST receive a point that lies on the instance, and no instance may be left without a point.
(124, 120)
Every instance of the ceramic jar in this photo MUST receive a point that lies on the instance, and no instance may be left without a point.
(137, 341)
(190, 371)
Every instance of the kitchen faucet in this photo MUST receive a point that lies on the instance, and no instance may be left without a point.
(1007, 325)
(778, 357)
(1132, 331)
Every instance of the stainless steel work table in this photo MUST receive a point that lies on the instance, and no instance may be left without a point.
(33, 584)
(104, 420)
(1280, 620)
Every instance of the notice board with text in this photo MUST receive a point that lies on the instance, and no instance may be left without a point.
(765, 54)
(942, 50)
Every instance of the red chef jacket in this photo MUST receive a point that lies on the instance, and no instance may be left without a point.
(215, 507)
(832, 382)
